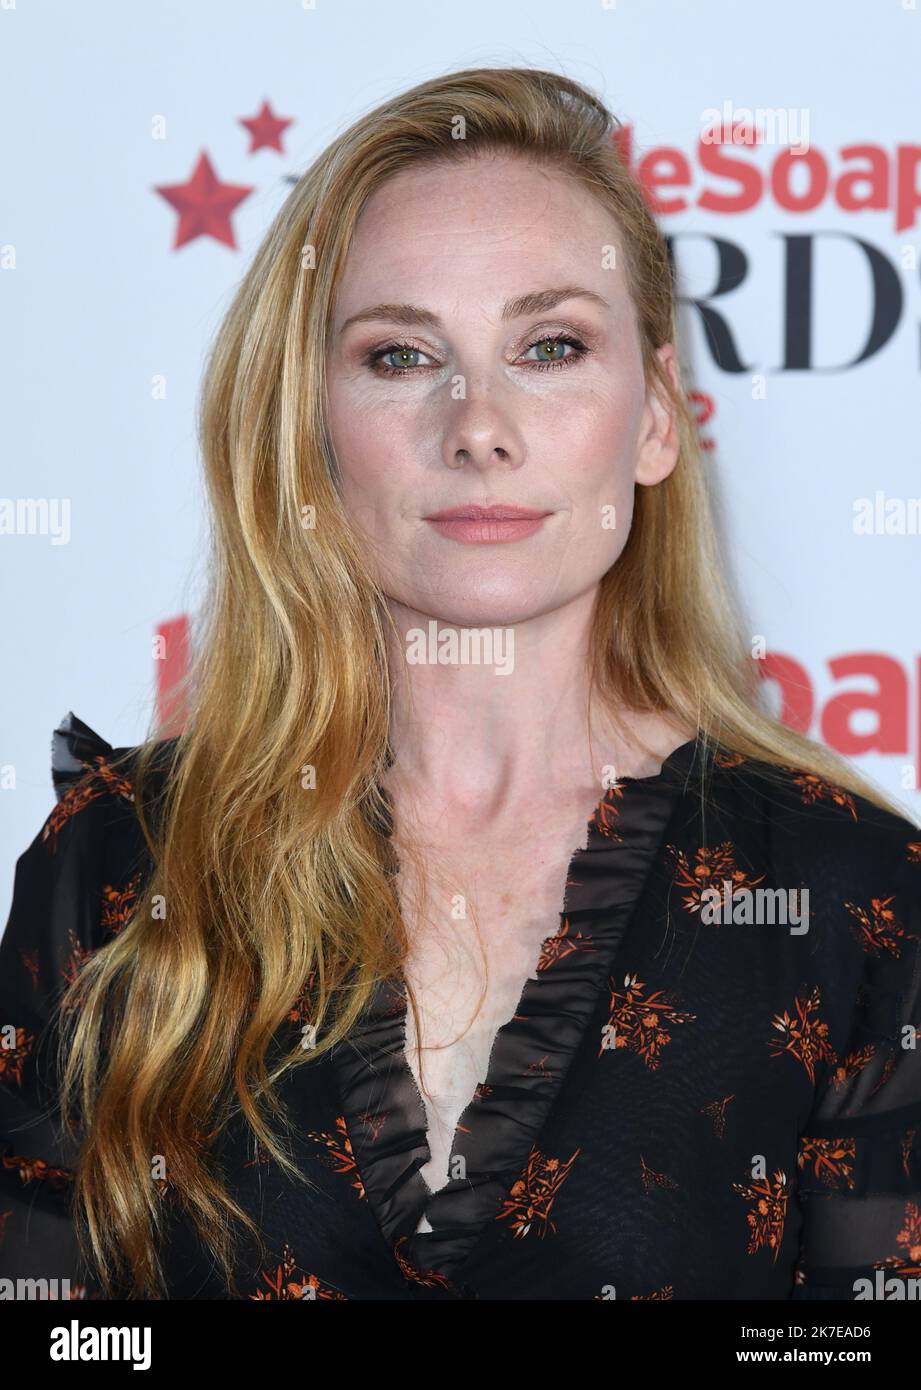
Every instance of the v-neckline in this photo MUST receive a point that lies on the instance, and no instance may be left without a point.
(531, 1053)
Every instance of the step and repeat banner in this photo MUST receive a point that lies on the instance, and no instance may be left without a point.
(147, 148)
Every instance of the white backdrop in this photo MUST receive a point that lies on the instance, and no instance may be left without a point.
(106, 318)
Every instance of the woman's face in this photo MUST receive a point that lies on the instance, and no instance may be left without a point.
(485, 353)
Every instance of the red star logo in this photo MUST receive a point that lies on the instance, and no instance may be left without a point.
(266, 129)
(204, 204)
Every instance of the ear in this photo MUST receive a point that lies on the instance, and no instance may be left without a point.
(657, 442)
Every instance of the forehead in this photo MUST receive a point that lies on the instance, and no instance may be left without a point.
(493, 223)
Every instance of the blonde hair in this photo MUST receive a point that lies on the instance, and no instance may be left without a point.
(169, 1025)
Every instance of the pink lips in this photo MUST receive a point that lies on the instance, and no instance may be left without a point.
(486, 525)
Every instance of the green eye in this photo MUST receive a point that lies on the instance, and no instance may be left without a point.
(402, 355)
(405, 360)
(554, 346)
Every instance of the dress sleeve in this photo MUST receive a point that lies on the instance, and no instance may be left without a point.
(859, 1155)
(65, 904)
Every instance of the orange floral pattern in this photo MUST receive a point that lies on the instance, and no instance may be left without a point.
(563, 944)
(13, 1058)
(118, 904)
(768, 1212)
(879, 929)
(427, 1278)
(37, 1170)
(338, 1147)
(815, 789)
(711, 869)
(287, 1281)
(640, 1022)
(607, 813)
(651, 1178)
(100, 780)
(803, 1034)
(832, 1160)
(850, 1065)
(527, 1207)
(717, 1113)
(78, 954)
(909, 1237)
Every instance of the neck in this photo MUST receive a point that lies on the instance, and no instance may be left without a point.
(504, 715)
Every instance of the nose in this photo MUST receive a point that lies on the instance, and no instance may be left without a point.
(481, 458)
(483, 436)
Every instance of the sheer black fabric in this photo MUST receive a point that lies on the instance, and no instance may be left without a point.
(686, 1103)
(530, 1057)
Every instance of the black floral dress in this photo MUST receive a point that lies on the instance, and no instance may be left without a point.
(700, 1096)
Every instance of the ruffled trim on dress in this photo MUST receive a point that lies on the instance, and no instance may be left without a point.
(531, 1053)
(76, 749)
(84, 766)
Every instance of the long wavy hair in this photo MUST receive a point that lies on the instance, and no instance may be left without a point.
(268, 884)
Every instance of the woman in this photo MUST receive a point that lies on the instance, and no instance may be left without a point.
(479, 936)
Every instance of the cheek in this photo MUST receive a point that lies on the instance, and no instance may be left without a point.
(595, 448)
(363, 459)
(599, 449)
(371, 446)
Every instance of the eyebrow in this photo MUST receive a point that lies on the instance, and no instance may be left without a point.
(537, 302)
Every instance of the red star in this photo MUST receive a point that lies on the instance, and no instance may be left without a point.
(266, 129)
(204, 204)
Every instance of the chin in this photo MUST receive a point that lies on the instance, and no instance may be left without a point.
(497, 606)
